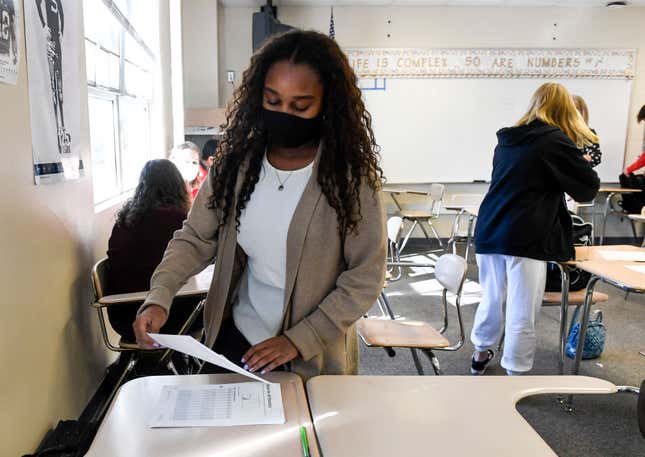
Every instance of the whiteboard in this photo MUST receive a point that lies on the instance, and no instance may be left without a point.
(443, 130)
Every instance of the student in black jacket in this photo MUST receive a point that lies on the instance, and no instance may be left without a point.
(523, 222)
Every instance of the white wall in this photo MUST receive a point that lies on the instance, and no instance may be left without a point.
(51, 354)
(200, 53)
(435, 27)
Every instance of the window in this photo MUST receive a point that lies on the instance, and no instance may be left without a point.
(119, 38)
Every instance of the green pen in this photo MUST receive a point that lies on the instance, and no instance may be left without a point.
(305, 443)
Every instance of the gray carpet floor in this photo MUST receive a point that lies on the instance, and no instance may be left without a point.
(599, 425)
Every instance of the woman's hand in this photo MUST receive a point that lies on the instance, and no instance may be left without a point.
(269, 354)
(150, 320)
(587, 157)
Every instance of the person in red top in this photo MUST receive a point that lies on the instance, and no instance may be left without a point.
(206, 159)
(186, 157)
(640, 162)
(139, 238)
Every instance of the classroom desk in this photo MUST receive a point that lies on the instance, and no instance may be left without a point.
(613, 272)
(197, 285)
(393, 191)
(610, 191)
(473, 213)
(125, 432)
(374, 416)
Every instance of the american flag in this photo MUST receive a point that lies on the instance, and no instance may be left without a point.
(332, 31)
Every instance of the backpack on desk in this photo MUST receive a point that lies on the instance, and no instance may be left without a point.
(632, 203)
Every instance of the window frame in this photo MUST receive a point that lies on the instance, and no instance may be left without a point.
(115, 95)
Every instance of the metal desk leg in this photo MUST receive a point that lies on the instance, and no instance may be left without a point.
(584, 320)
(471, 219)
(396, 202)
(564, 304)
(455, 229)
(604, 219)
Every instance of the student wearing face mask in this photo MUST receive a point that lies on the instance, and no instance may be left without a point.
(186, 157)
(291, 211)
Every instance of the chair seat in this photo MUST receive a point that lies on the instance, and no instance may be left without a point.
(410, 214)
(576, 297)
(390, 333)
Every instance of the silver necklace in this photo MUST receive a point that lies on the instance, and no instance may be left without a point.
(277, 175)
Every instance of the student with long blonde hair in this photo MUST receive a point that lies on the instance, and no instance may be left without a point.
(523, 222)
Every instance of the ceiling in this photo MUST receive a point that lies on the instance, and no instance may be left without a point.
(564, 3)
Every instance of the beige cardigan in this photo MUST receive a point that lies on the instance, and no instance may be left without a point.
(330, 281)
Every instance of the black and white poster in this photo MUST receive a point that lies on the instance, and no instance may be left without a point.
(9, 39)
(53, 44)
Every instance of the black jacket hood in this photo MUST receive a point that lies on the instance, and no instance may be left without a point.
(523, 134)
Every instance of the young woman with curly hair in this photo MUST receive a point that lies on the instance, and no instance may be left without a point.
(291, 213)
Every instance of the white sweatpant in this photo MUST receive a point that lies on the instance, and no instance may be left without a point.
(520, 282)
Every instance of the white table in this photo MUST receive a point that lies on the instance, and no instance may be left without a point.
(125, 432)
(374, 416)
(393, 191)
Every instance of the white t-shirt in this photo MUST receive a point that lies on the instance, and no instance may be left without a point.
(264, 225)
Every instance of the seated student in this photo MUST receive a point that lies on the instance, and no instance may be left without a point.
(591, 153)
(523, 222)
(139, 238)
(640, 162)
(186, 157)
(293, 213)
(206, 159)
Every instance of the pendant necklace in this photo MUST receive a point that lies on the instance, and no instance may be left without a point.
(277, 175)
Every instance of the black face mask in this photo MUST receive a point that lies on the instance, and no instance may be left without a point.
(290, 131)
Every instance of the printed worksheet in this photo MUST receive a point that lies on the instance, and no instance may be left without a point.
(219, 405)
(189, 345)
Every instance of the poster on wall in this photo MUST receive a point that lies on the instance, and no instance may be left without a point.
(9, 38)
(53, 43)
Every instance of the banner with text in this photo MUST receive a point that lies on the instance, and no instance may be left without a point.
(493, 63)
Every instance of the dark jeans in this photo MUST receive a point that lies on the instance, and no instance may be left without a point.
(231, 344)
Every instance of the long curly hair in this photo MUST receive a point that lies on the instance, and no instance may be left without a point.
(160, 186)
(349, 155)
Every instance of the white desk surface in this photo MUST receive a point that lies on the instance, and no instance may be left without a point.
(403, 190)
(374, 416)
(470, 209)
(619, 190)
(637, 217)
(125, 432)
(586, 253)
(197, 285)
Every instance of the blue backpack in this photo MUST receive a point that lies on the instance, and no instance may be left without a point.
(594, 339)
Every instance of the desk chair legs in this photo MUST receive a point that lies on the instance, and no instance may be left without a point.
(128, 369)
(434, 361)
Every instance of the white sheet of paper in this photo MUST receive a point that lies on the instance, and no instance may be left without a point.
(189, 345)
(636, 268)
(219, 405)
(625, 256)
